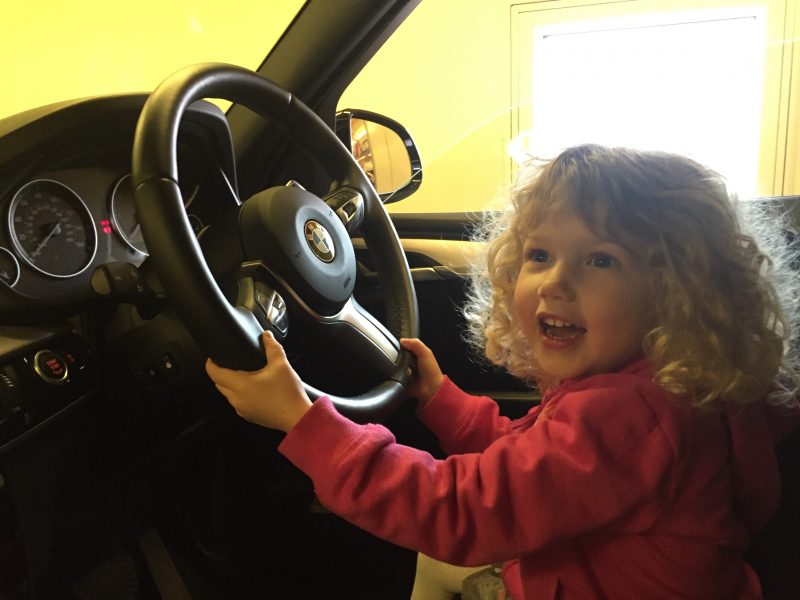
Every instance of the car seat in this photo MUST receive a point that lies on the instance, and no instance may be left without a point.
(775, 551)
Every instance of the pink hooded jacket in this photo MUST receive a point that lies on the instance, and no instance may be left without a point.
(611, 488)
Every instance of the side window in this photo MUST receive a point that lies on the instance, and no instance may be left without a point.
(444, 75)
(486, 84)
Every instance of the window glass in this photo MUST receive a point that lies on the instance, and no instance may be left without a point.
(485, 84)
(444, 74)
(59, 49)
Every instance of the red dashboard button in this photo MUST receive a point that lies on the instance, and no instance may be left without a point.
(50, 366)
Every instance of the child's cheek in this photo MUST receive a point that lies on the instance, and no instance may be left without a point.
(525, 304)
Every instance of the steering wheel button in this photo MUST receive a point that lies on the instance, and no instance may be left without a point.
(263, 300)
(50, 367)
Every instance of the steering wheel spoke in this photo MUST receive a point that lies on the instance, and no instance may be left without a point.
(352, 329)
(363, 337)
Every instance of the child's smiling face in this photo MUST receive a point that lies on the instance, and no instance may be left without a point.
(582, 300)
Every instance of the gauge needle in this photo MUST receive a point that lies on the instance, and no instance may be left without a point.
(54, 230)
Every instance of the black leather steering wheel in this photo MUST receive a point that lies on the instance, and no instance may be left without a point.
(293, 248)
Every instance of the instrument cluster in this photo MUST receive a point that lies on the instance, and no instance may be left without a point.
(61, 225)
(67, 209)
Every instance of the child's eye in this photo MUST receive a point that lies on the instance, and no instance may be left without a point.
(538, 255)
(601, 260)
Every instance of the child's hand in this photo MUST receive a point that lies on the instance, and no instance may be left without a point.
(428, 376)
(271, 397)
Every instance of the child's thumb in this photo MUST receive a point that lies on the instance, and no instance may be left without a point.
(272, 347)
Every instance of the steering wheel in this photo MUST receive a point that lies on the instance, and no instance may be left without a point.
(292, 250)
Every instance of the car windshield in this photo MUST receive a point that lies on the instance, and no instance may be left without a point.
(63, 50)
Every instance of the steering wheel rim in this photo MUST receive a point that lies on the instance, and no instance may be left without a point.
(232, 335)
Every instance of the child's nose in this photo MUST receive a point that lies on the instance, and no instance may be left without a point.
(558, 283)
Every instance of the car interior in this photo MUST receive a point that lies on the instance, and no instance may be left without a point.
(146, 231)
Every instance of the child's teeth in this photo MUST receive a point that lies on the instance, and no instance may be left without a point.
(557, 323)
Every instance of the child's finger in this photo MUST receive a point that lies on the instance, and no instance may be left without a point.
(219, 375)
(415, 346)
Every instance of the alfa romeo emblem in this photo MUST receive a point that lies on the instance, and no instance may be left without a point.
(320, 241)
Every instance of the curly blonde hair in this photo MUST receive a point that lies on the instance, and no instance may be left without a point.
(722, 308)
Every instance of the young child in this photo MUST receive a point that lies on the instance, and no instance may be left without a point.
(622, 283)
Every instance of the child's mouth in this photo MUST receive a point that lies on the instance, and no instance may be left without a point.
(556, 329)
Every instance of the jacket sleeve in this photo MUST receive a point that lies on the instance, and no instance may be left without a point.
(563, 477)
(461, 422)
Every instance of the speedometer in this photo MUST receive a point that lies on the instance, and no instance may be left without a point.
(51, 228)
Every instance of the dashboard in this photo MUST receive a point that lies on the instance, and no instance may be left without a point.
(74, 276)
(67, 209)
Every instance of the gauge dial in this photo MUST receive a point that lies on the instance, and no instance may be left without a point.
(51, 228)
(123, 215)
(9, 268)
